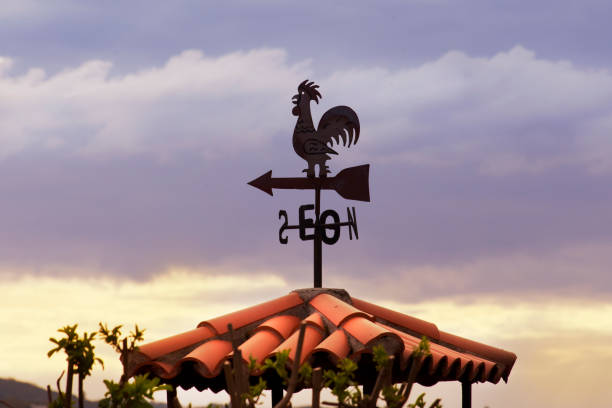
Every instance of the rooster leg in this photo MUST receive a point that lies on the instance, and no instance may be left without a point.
(310, 171)
(323, 170)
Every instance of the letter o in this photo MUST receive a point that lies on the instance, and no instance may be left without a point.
(335, 228)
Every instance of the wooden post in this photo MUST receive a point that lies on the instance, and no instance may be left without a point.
(317, 383)
(172, 399)
(466, 395)
(368, 386)
(277, 394)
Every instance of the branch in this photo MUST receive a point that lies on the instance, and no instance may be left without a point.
(406, 387)
(382, 377)
(231, 387)
(59, 388)
(294, 371)
(436, 404)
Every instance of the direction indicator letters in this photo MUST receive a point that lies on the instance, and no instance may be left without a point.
(306, 224)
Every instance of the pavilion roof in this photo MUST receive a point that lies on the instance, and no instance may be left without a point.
(337, 326)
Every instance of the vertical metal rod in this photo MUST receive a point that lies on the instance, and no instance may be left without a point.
(466, 395)
(318, 241)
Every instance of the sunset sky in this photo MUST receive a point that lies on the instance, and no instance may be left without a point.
(128, 132)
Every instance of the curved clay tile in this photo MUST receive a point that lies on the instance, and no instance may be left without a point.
(196, 356)
(366, 331)
(335, 344)
(335, 309)
(490, 353)
(444, 360)
(463, 365)
(260, 345)
(253, 314)
(159, 368)
(487, 365)
(411, 323)
(443, 367)
(495, 374)
(283, 325)
(313, 334)
(438, 361)
(209, 355)
(456, 367)
(488, 369)
(316, 320)
(168, 345)
(471, 373)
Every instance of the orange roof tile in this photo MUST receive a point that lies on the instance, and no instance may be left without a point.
(337, 326)
(335, 309)
(158, 348)
(313, 335)
(209, 356)
(260, 345)
(336, 344)
(253, 314)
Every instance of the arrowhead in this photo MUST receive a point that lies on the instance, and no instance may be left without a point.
(263, 182)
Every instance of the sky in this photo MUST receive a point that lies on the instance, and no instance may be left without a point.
(128, 132)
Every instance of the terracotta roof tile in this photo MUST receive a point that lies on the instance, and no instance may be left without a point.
(170, 344)
(260, 345)
(335, 344)
(163, 370)
(491, 353)
(366, 332)
(283, 325)
(337, 326)
(408, 322)
(335, 309)
(267, 336)
(316, 320)
(313, 335)
(252, 314)
(209, 356)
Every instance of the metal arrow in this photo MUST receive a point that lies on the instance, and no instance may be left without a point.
(351, 183)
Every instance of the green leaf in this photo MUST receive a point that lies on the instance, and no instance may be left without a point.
(422, 349)
(380, 357)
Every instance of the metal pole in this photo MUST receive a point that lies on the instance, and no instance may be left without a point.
(318, 242)
(466, 395)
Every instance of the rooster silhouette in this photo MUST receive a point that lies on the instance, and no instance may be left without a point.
(314, 145)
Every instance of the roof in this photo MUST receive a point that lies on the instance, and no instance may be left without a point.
(337, 326)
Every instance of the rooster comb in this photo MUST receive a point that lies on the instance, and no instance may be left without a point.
(311, 89)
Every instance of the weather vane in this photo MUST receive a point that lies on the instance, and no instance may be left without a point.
(315, 146)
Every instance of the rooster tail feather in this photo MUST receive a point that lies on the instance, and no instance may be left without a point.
(339, 122)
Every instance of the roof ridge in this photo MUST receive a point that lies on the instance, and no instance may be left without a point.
(307, 294)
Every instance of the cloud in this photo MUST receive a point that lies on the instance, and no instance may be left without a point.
(210, 105)
(129, 174)
(575, 270)
(510, 113)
